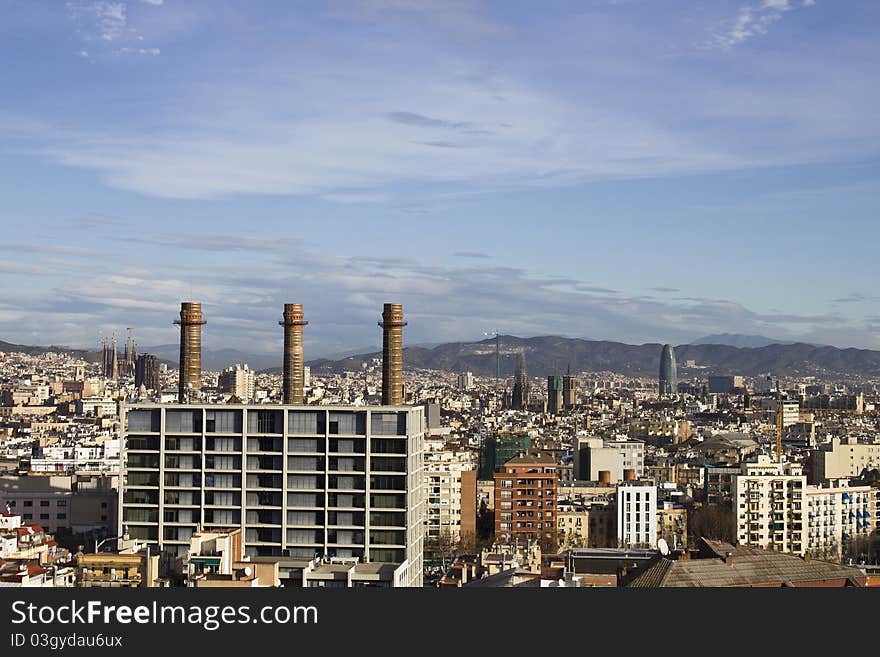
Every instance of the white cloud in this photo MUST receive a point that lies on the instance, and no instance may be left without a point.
(107, 22)
(442, 302)
(753, 21)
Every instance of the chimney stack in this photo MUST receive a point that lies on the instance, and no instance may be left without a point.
(392, 354)
(190, 348)
(293, 353)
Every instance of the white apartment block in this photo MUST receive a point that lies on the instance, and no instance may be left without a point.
(237, 380)
(637, 515)
(838, 516)
(96, 406)
(632, 454)
(769, 506)
(844, 458)
(340, 482)
(443, 489)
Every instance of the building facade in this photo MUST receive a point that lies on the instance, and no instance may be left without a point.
(334, 481)
(839, 517)
(237, 380)
(637, 515)
(146, 372)
(525, 500)
(769, 506)
(843, 458)
(450, 493)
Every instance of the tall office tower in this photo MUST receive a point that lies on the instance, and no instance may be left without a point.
(238, 380)
(520, 399)
(146, 372)
(392, 354)
(525, 499)
(335, 481)
(294, 375)
(668, 372)
(190, 348)
(569, 389)
(555, 396)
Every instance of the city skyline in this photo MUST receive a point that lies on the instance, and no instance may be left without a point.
(599, 170)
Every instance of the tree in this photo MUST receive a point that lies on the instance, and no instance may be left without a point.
(441, 549)
(712, 521)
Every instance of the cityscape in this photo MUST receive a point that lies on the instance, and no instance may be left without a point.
(439, 294)
(125, 470)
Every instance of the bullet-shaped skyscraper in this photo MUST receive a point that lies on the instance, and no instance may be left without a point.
(190, 348)
(668, 371)
(392, 354)
(294, 380)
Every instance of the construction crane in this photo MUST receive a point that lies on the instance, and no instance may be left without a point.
(497, 336)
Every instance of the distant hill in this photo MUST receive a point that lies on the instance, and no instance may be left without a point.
(552, 354)
(739, 340)
(216, 359)
(10, 347)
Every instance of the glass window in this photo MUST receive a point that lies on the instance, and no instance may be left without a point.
(223, 421)
(143, 420)
(388, 424)
(264, 422)
(306, 422)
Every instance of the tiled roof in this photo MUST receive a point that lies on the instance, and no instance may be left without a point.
(750, 567)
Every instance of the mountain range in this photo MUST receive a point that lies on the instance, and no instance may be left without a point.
(739, 340)
(546, 355)
(554, 355)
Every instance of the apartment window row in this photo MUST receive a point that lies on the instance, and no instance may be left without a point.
(268, 422)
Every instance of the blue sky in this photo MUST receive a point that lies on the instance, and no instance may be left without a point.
(628, 170)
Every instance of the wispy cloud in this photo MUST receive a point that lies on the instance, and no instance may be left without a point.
(754, 20)
(107, 22)
(411, 118)
(471, 254)
(443, 302)
(856, 298)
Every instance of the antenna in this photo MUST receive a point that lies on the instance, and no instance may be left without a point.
(497, 337)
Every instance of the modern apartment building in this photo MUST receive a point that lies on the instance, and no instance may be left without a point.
(769, 505)
(839, 516)
(237, 380)
(450, 493)
(843, 458)
(525, 500)
(637, 515)
(302, 481)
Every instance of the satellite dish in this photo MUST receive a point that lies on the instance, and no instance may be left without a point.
(663, 546)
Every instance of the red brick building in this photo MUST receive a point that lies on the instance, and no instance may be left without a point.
(525, 500)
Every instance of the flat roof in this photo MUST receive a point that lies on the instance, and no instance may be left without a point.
(263, 407)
